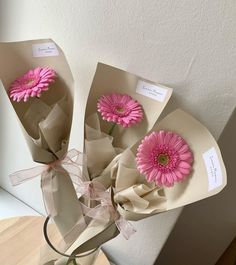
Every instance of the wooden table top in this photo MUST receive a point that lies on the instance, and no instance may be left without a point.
(21, 239)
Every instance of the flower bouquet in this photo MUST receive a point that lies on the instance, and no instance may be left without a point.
(133, 165)
(136, 167)
(102, 129)
(38, 81)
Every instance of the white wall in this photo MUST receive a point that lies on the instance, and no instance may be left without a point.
(188, 45)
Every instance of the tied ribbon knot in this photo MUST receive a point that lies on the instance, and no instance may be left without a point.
(71, 164)
(93, 190)
(68, 164)
(106, 210)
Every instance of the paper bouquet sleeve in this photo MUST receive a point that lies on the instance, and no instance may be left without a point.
(152, 96)
(45, 123)
(101, 148)
(137, 198)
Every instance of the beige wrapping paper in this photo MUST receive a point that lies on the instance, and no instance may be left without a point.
(109, 79)
(135, 197)
(138, 199)
(102, 150)
(111, 160)
(46, 122)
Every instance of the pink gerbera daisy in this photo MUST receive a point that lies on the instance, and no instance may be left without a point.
(32, 84)
(120, 109)
(164, 157)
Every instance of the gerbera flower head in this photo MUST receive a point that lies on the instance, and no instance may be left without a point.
(164, 157)
(32, 84)
(121, 109)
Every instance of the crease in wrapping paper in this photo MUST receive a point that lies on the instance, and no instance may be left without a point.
(99, 148)
(138, 199)
(55, 124)
(45, 122)
(56, 108)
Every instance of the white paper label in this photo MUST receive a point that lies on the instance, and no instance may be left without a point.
(213, 169)
(151, 91)
(45, 49)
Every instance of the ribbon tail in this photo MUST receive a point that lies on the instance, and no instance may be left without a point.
(125, 228)
(97, 213)
(22, 176)
(85, 209)
(73, 153)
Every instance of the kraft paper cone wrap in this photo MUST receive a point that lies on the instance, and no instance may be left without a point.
(138, 199)
(100, 148)
(109, 79)
(45, 122)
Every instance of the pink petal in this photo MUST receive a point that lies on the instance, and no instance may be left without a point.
(184, 164)
(184, 149)
(184, 171)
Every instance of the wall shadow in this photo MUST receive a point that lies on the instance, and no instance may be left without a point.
(206, 228)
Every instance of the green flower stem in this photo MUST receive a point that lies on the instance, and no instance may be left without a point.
(112, 129)
(74, 262)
